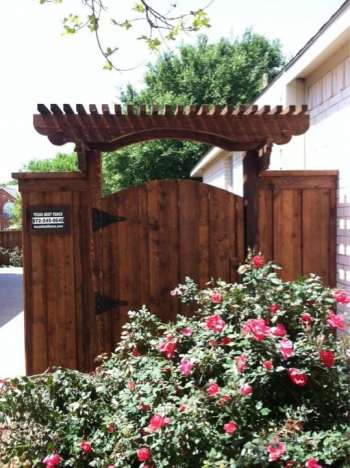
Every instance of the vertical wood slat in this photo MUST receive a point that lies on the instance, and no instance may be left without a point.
(287, 232)
(297, 222)
(36, 332)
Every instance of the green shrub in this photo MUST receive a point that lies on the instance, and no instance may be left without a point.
(257, 377)
(14, 255)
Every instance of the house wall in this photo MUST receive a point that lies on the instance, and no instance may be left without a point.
(226, 172)
(214, 174)
(326, 90)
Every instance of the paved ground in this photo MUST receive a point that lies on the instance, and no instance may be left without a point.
(11, 323)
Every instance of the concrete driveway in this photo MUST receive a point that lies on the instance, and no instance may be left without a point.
(12, 358)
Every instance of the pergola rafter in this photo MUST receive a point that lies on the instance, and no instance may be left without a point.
(241, 128)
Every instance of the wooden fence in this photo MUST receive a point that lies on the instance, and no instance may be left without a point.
(107, 255)
(296, 222)
(8, 240)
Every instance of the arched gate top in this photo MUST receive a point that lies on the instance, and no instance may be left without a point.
(241, 128)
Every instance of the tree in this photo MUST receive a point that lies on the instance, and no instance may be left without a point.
(154, 25)
(228, 72)
(61, 162)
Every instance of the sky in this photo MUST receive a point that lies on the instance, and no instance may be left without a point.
(39, 65)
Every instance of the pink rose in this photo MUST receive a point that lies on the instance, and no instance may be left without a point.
(258, 261)
(52, 460)
(327, 357)
(175, 292)
(186, 367)
(187, 331)
(306, 318)
(225, 341)
(224, 399)
(241, 363)
(279, 330)
(213, 389)
(297, 377)
(143, 454)
(168, 347)
(257, 327)
(86, 446)
(276, 451)
(215, 323)
(135, 352)
(341, 296)
(274, 308)
(157, 422)
(110, 428)
(216, 297)
(268, 365)
(312, 463)
(286, 348)
(230, 427)
(182, 407)
(246, 390)
(335, 321)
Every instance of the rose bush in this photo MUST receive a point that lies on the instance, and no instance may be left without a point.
(256, 377)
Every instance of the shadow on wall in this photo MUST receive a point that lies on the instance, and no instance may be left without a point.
(11, 293)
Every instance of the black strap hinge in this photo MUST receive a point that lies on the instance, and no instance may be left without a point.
(104, 303)
(100, 219)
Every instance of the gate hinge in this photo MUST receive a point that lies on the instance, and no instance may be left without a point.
(100, 219)
(105, 303)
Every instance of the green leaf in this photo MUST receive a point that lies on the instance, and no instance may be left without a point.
(139, 7)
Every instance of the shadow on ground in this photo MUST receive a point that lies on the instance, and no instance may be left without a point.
(11, 294)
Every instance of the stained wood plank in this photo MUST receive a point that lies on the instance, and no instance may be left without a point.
(265, 234)
(203, 234)
(287, 224)
(36, 301)
(169, 243)
(316, 233)
(154, 246)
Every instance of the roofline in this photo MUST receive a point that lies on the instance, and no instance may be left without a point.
(211, 155)
(208, 157)
(308, 44)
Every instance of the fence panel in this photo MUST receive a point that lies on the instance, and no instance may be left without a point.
(297, 222)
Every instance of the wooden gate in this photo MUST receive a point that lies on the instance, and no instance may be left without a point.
(147, 239)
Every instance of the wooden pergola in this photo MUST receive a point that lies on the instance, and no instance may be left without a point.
(241, 128)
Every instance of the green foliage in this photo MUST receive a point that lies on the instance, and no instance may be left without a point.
(15, 256)
(16, 214)
(227, 72)
(165, 20)
(159, 159)
(204, 415)
(61, 162)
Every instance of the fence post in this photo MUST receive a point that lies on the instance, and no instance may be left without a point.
(58, 296)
